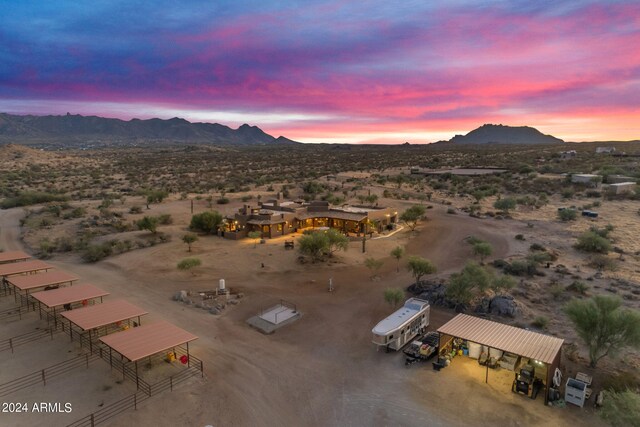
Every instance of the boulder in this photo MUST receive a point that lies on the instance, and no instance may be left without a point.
(503, 305)
(214, 310)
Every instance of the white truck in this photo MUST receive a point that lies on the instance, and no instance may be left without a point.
(403, 325)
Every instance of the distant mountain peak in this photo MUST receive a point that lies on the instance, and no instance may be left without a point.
(74, 129)
(502, 134)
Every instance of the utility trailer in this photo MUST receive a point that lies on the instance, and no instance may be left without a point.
(399, 328)
(422, 349)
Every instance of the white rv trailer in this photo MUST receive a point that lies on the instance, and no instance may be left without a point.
(402, 326)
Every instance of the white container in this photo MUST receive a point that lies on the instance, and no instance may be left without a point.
(221, 285)
(495, 353)
(474, 349)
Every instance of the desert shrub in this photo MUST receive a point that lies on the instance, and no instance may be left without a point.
(149, 223)
(540, 322)
(413, 215)
(593, 242)
(95, 253)
(537, 247)
(222, 201)
(556, 290)
(189, 263)
(505, 205)
(75, 213)
(483, 250)
(28, 198)
(373, 265)
(521, 267)
(578, 287)
(604, 231)
(603, 262)
(165, 219)
(567, 215)
(520, 237)
(593, 193)
(135, 210)
(64, 244)
(315, 245)
(451, 210)
(621, 408)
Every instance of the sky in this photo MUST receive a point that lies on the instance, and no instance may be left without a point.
(331, 71)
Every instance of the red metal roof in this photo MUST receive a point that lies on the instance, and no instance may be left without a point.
(69, 295)
(40, 280)
(147, 340)
(503, 337)
(12, 256)
(107, 313)
(23, 267)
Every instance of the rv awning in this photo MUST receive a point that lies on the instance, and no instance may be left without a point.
(23, 267)
(13, 256)
(147, 340)
(104, 314)
(50, 278)
(70, 295)
(503, 337)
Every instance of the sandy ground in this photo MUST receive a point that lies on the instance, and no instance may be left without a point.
(321, 370)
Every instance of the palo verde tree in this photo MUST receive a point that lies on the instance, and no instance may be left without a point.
(420, 267)
(397, 253)
(483, 250)
(155, 196)
(393, 296)
(320, 244)
(373, 265)
(148, 223)
(189, 239)
(255, 235)
(604, 325)
(412, 216)
(206, 222)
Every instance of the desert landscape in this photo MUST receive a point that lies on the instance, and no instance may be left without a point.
(325, 213)
(321, 369)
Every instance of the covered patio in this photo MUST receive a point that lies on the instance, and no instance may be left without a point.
(147, 341)
(102, 317)
(23, 285)
(541, 350)
(13, 256)
(54, 299)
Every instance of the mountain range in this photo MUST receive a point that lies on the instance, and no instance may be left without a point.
(75, 128)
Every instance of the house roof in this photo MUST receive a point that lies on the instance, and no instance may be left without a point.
(23, 267)
(504, 337)
(347, 216)
(147, 340)
(107, 313)
(69, 295)
(12, 256)
(40, 280)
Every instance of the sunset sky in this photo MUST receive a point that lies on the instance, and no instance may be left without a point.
(331, 71)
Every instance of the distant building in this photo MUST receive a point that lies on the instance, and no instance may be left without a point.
(615, 179)
(620, 188)
(281, 217)
(566, 155)
(605, 150)
(586, 178)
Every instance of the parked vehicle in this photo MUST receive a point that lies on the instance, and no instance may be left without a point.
(422, 349)
(396, 330)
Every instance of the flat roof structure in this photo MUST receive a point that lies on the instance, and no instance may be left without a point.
(23, 267)
(70, 295)
(108, 313)
(13, 256)
(533, 345)
(50, 278)
(144, 341)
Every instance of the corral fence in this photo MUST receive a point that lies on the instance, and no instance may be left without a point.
(43, 375)
(18, 340)
(146, 391)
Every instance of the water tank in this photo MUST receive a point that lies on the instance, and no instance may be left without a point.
(221, 285)
(474, 349)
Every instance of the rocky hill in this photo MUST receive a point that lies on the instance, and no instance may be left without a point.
(499, 134)
(74, 129)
